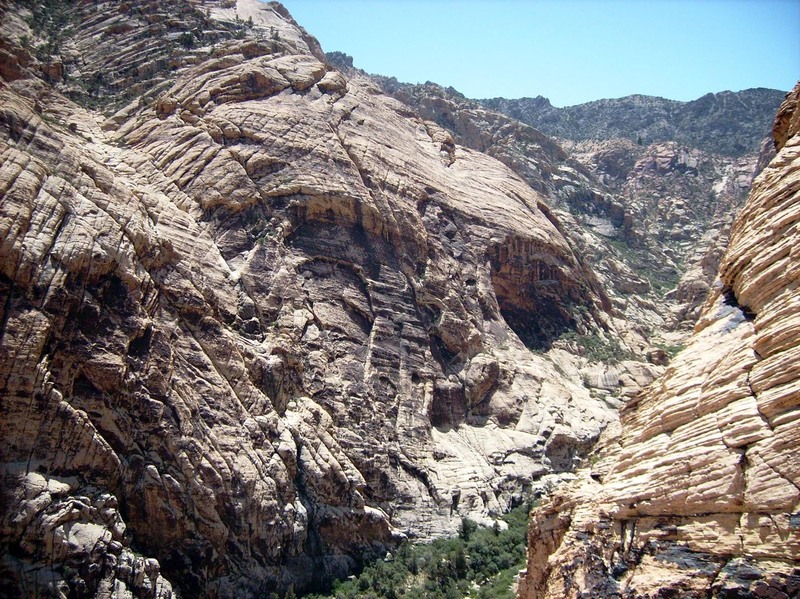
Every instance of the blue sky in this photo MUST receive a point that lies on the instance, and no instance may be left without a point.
(570, 51)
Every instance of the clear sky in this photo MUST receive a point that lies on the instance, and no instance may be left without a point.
(570, 51)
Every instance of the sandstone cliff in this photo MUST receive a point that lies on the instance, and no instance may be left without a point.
(650, 219)
(677, 206)
(699, 496)
(259, 319)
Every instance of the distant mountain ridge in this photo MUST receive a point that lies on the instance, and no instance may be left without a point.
(728, 123)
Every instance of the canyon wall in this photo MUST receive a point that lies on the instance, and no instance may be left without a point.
(698, 496)
(259, 320)
(651, 219)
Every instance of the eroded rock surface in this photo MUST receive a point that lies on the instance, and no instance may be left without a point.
(258, 319)
(678, 206)
(651, 220)
(699, 496)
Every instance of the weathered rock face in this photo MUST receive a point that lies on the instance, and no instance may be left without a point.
(699, 494)
(727, 123)
(259, 319)
(677, 210)
(650, 220)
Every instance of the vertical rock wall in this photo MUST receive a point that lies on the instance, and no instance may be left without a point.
(699, 495)
(252, 312)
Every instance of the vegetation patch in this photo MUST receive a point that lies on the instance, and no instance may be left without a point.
(597, 349)
(662, 280)
(671, 350)
(50, 20)
(481, 562)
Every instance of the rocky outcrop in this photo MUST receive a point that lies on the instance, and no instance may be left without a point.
(699, 496)
(258, 319)
(787, 123)
(727, 123)
(678, 206)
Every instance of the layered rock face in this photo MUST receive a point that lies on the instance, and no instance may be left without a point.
(699, 496)
(676, 216)
(650, 219)
(258, 319)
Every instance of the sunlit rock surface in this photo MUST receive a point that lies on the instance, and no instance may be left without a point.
(259, 320)
(699, 496)
(650, 218)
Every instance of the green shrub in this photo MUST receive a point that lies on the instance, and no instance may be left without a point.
(186, 39)
(447, 568)
(597, 348)
(467, 528)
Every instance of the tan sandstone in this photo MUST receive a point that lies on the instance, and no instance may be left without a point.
(699, 495)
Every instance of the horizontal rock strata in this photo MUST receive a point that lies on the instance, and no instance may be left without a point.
(258, 319)
(651, 220)
(699, 495)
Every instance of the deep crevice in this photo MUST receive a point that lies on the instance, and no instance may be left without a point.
(729, 296)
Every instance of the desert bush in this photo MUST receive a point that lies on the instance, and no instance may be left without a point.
(481, 562)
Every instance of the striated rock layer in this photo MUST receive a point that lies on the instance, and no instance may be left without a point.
(259, 319)
(651, 220)
(699, 496)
